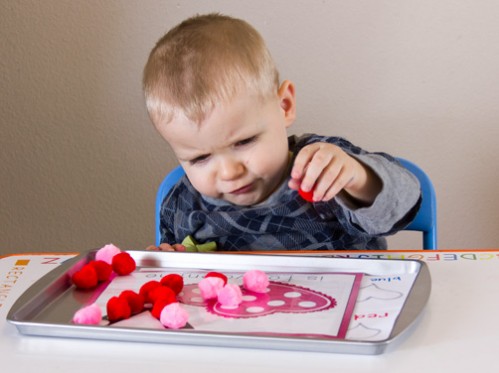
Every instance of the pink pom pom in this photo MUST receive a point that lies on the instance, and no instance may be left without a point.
(90, 315)
(107, 253)
(210, 286)
(230, 296)
(174, 316)
(256, 281)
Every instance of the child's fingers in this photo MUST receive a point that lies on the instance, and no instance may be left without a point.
(308, 166)
(302, 160)
(323, 168)
(166, 247)
(322, 162)
(342, 179)
(178, 247)
(331, 179)
(294, 184)
(326, 186)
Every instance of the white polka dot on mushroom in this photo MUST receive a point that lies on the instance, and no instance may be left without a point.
(276, 303)
(307, 304)
(254, 309)
(292, 294)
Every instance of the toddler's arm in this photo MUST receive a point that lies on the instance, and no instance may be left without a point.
(328, 170)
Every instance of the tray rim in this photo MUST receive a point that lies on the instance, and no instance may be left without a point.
(410, 313)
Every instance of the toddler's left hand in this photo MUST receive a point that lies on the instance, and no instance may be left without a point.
(328, 170)
(166, 247)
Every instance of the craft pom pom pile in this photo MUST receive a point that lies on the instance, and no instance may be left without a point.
(160, 296)
(108, 259)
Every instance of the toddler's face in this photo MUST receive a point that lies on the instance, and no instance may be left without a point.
(239, 153)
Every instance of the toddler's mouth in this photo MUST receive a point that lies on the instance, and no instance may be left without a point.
(245, 189)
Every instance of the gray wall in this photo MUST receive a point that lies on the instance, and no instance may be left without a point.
(80, 162)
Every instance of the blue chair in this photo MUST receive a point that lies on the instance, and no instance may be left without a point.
(168, 182)
(425, 220)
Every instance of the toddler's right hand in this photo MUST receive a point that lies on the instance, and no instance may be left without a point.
(166, 247)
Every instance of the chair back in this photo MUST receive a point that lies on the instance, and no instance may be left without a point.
(168, 182)
(426, 218)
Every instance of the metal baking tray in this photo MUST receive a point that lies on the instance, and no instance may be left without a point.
(47, 307)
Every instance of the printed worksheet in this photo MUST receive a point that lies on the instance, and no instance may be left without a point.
(379, 303)
(316, 305)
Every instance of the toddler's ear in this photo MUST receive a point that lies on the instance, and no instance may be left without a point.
(287, 101)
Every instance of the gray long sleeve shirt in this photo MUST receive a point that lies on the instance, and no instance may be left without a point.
(286, 222)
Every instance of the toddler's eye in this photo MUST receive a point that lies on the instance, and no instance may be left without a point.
(247, 141)
(199, 159)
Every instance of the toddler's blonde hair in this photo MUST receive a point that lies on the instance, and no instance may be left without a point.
(204, 61)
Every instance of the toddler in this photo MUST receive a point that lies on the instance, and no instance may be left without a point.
(213, 93)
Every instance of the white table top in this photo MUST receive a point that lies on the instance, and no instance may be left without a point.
(457, 332)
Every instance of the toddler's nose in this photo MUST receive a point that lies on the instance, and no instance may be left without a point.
(230, 169)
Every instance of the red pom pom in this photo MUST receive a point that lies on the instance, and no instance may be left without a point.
(85, 278)
(102, 268)
(146, 289)
(307, 196)
(118, 309)
(134, 300)
(159, 305)
(123, 264)
(174, 282)
(162, 293)
(217, 274)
